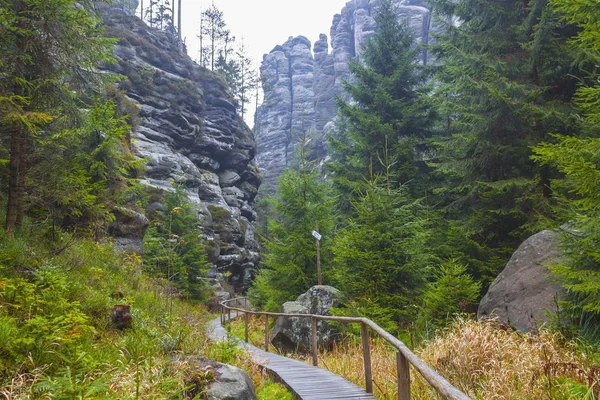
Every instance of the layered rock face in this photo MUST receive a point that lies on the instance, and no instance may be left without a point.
(300, 86)
(190, 134)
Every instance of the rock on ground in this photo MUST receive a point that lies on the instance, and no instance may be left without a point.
(295, 333)
(218, 381)
(523, 293)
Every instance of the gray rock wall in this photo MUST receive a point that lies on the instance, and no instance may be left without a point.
(300, 86)
(190, 134)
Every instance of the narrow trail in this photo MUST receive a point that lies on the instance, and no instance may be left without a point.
(305, 381)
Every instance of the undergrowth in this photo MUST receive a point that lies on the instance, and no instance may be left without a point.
(482, 359)
(57, 339)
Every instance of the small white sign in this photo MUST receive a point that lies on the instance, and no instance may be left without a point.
(317, 235)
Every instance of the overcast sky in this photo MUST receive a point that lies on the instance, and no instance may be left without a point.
(263, 23)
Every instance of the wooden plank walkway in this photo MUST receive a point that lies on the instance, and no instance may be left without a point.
(305, 381)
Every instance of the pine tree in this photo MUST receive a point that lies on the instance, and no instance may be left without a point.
(49, 51)
(381, 257)
(304, 202)
(246, 81)
(213, 30)
(577, 191)
(389, 113)
(506, 77)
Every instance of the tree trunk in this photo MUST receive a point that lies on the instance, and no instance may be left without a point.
(14, 208)
(178, 20)
(16, 178)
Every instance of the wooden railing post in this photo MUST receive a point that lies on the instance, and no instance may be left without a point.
(267, 332)
(221, 313)
(246, 326)
(314, 348)
(403, 371)
(228, 315)
(364, 334)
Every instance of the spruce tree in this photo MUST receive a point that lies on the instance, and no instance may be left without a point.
(388, 114)
(577, 191)
(381, 257)
(505, 77)
(303, 202)
(49, 51)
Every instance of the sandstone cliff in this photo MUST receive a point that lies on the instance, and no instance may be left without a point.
(300, 83)
(190, 134)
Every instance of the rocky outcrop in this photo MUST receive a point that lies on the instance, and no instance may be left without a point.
(300, 86)
(294, 333)
(190, 135)
(225, 382)
(523, 294)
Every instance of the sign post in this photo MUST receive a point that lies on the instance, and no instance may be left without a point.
(318, 237)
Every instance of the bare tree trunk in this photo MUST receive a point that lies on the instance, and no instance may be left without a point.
(178, 18)
(16, 178)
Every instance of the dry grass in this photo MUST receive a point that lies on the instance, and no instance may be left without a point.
(480, 358)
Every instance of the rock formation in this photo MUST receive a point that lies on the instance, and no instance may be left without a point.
(300, 86)
(523, 294)
(190, 134)
(228, 382)
(295, 333)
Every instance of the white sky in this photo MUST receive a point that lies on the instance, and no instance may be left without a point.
(263, 23)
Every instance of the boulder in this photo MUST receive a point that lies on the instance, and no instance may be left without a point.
(128, 227)
(226, 382)
(295, 333)
(524, 293)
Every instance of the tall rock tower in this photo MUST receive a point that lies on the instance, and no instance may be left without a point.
(300, 84)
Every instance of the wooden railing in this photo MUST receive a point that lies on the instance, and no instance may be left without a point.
(404, 357)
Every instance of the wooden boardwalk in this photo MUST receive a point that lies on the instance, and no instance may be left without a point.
(305, 381)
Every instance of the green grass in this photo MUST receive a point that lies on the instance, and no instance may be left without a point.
(57, 339)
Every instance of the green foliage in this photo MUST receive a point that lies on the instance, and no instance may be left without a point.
(385, 127)
(304, 203)
(576, 191)
(79, 172)
(173, 248)
(506, 77)
(452, 292)
(381, 257)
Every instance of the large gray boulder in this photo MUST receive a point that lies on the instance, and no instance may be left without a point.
(229, 382)
(524, 293)
(294, 333)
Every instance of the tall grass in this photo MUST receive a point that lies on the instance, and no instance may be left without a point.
(480, 358)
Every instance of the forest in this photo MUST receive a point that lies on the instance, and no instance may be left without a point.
(435, 174)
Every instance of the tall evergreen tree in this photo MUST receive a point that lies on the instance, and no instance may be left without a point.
(577, 191)
(304, 201)
(49, 51)
(505, 80)
(389, 115)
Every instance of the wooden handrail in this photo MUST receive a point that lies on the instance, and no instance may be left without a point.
(403, 357)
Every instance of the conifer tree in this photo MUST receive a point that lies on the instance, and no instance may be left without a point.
(389, 113)
(505, 78)
(381, 257)
(49, 51)
(577, 191)
(213, 30)
(304, 201)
